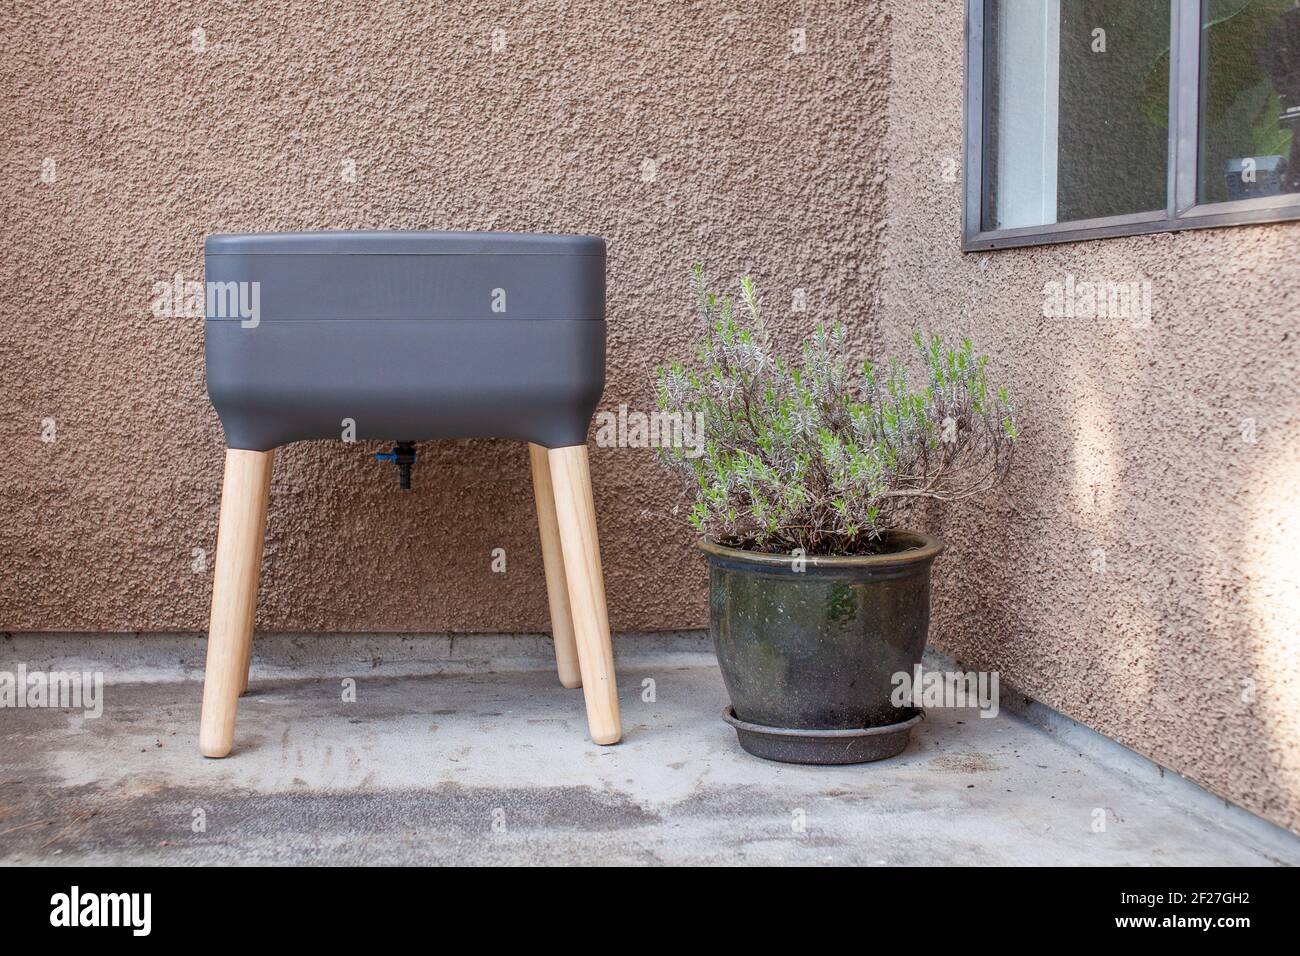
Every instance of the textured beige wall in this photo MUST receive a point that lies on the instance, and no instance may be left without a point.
(766, 160)
(1134, 451)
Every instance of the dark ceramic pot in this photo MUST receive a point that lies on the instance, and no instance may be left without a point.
(811, 654)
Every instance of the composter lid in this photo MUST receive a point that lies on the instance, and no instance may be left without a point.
(401, 243)
(426, 276)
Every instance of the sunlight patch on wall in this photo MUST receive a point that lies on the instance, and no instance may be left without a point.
(1271, 561)
(1095, 471)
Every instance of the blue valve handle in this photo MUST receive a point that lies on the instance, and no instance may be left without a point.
(403, 455)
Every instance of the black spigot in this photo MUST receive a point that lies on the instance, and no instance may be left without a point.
(403, 454)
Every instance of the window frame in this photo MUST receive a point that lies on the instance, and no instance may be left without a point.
(1182, 210)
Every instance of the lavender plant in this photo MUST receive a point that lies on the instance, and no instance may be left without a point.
(811, 455)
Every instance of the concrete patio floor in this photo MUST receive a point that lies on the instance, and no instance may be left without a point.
(475, 765)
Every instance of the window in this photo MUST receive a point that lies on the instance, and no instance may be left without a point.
(1091, 118)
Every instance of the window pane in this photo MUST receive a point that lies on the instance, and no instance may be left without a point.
(1250, 99)
(1076, 100)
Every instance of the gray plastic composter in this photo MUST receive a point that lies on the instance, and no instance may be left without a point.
(410, 335)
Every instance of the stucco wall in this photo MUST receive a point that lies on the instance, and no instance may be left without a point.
(1139, 575)
(1142, 573)
(764, 158)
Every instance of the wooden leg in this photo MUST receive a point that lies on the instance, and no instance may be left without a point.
(576, 515)
(248, 647)
(244, 493)
(248, 666)
(557, 590)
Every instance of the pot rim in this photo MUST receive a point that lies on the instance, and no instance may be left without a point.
(923, 548)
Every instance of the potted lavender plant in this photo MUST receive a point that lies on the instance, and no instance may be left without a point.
(819, 588)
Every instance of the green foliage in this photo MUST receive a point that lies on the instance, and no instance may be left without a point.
(808, 454)
(1238, 97)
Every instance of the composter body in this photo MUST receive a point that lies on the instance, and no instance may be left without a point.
(404, 335)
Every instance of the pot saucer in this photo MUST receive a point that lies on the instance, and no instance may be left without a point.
(825, 747)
